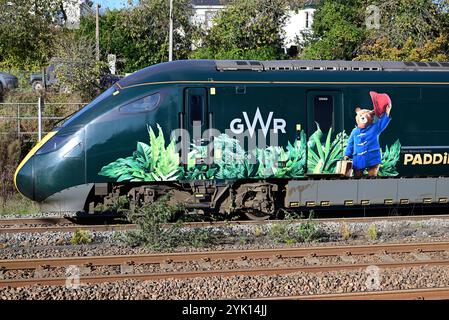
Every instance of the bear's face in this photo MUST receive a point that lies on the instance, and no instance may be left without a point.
(364, 117)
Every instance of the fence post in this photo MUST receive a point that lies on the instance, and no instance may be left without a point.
(39, 118)
(18, 120)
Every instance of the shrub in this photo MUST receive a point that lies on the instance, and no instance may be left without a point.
(372, 232)
(345, 232)
(10, 150)
(308, 232)
(153, 231)
(81, 237)
(279, 232)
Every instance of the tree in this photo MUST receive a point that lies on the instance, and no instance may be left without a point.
(27, 30)
(139, 36)
(337, 31)
(410, 30)
(76, 68)
(249, 29)
(407, 30)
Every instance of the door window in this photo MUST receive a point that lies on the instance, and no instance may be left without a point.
(323, 108)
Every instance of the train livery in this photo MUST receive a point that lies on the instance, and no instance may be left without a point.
(253, 136)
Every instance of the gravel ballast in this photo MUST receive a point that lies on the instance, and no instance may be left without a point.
(241, 287)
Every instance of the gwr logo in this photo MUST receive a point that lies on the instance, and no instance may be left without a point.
(237, 127)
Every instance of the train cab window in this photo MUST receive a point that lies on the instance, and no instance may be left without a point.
(144, 104)
(196, 106)
(324, 112)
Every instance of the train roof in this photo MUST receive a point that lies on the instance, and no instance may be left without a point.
(185, 70)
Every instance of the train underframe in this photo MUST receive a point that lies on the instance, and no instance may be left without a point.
(264, 199)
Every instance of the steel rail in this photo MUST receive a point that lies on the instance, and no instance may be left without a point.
(211, 273)
(69, 228)
(441, 293)
(226, 255)
(111, 227)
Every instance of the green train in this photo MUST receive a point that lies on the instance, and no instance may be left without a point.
(254, 137)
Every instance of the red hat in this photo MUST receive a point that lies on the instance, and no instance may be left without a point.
(380, 101)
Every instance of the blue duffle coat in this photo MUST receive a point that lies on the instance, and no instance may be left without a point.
(363, 144)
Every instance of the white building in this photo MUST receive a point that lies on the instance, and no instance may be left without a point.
(75, 9)
(205, 11)
(299, 20)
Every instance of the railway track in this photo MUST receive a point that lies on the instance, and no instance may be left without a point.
(61, 224)
(167, 261)
(411, 294)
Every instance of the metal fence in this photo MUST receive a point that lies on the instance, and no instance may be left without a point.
(34, 119)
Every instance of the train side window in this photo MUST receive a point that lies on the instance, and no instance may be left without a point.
(324, 112)
(144, 104)
(196, 106)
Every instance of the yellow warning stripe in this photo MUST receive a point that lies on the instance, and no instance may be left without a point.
(31, 153)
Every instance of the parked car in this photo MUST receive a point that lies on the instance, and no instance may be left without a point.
(39, 83)
(8, 81)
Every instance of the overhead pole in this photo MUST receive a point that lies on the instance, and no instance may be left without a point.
(170, 36)
(97, 33)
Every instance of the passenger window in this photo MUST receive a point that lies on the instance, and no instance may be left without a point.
(147, 103)
(324, 112)
(196, 109)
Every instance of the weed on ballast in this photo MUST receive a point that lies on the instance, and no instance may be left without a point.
(345, 232)
(286, 232)
(372, 232)
(154, 231)
(81, 237)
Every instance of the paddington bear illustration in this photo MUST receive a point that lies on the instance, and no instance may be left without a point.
(363, 144)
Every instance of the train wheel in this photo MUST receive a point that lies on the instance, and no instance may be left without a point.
(257, 215)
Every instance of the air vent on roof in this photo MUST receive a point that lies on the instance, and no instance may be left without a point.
(232, 65)
(433, 64)
(306, 65)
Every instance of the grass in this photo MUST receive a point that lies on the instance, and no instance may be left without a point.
(17, 204)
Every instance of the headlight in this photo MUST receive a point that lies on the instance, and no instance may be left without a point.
(53, 144)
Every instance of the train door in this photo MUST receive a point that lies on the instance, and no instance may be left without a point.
(324, 130)
(195, 120)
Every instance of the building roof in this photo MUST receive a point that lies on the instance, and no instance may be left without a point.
(307, 3)
(210, 2)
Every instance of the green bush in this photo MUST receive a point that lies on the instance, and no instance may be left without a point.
(153, 231)
(81, 237)
(372, 232)
(285, 232)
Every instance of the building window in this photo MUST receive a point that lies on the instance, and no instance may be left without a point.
(307, 20)
(208, 19)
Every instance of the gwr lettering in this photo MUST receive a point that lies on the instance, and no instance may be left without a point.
(238, 127)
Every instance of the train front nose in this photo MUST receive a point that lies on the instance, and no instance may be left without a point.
(23, 179)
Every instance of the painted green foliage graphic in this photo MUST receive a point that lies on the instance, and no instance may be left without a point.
(157, 162)
(323, 156)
